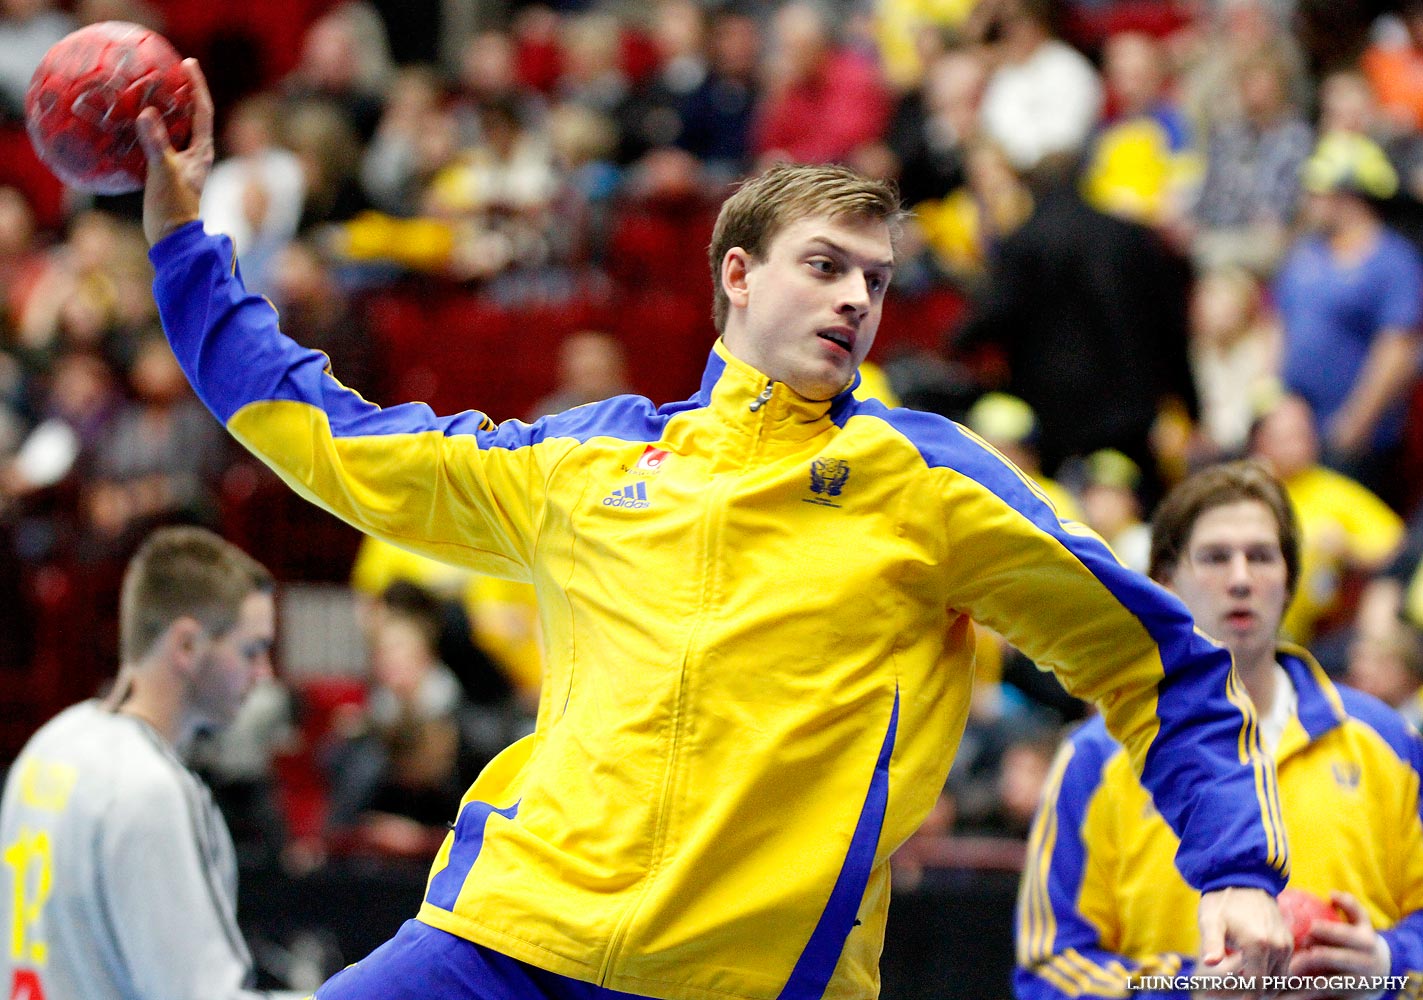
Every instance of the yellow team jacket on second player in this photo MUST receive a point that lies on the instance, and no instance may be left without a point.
(1101, 901)
(756, 610)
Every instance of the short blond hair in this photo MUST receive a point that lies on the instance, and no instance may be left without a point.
(184, 572)
(766, 204)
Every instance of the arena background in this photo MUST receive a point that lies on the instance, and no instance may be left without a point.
(506, 205)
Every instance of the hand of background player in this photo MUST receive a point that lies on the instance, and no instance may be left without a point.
(1350, 947)
(1247, 921)
(176, 178)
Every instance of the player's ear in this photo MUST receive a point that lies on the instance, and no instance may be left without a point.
(735, 267)
(182, 643)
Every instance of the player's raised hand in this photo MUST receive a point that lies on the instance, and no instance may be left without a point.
(1242, 932)
(176, 177)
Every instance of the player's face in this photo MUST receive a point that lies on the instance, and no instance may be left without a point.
(1232, 578)
(233, 663)
(810, 308)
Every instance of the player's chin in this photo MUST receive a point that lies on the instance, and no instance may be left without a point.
(822, 391)
(223, 716)
(827, 380)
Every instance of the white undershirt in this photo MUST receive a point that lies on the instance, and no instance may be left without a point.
(1276, 717)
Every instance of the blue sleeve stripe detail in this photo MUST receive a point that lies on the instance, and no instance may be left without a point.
(1048, 917)
(445, 887)
(943, 444)
(231, 349)
(1079, 785)
(1270, 790)
(1187, 696)
(625, 418)
(817, 962)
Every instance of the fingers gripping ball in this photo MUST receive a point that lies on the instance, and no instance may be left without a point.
(1301, 910)
(82, 106)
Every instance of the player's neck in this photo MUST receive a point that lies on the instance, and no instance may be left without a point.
(1258, 675)
(161, 709)
(1354, 237)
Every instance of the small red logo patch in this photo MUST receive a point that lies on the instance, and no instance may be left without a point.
(652, 459)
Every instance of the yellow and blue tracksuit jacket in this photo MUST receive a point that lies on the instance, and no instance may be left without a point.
(757, 614)
(1101, 899)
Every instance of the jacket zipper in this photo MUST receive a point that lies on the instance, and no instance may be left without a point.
(761, 401)
(714, 506)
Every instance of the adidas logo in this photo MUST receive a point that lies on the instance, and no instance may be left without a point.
(634, 496)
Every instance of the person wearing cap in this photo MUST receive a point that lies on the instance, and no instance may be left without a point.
(1011, 426)
(1112, 507)
(1350, 297)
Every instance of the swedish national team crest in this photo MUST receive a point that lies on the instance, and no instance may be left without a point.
(1347, 773)
(827, 478)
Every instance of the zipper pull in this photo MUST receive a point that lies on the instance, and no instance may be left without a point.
(764, 398)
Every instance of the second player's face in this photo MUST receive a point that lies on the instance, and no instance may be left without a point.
(233, 663)
(813, 303)
(1232, 577)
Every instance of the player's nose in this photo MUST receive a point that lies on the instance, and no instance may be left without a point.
(854, 289)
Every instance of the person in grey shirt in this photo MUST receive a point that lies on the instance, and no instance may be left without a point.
(119, 880)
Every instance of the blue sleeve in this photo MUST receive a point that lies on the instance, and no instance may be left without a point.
(227, 341)
(1405, 945)
(1059, 950)
(1402, 288)
(459, 489)
(1169, 695)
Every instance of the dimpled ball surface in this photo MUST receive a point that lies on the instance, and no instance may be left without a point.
(82, 106)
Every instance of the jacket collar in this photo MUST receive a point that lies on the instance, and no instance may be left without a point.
(1319, 710)
(737, 393)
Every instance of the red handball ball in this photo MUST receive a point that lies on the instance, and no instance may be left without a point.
(1301, 910)
(83, 103)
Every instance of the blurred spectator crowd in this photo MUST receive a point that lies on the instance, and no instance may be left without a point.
(1147, 235)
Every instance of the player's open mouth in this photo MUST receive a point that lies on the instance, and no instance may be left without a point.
(841, 338)
(1241, 619)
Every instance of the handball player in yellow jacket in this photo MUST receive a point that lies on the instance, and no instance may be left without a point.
(1103, 911)
(757, 606)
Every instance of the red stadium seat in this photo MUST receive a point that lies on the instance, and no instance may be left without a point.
(918, 322)
(295, 539)
(667, 336)
(21, 169)
(662, 244)
(301, 787)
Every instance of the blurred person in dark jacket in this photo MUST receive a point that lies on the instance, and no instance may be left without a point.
(1090, 311)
